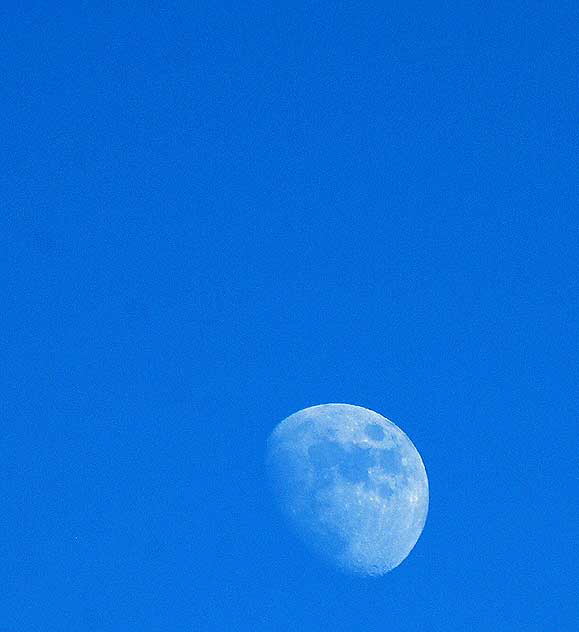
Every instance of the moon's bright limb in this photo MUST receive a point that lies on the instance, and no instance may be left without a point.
(352, 483)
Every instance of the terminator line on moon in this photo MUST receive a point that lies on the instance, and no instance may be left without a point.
(352, 484)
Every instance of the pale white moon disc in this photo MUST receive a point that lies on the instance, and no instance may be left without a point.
(351, 483)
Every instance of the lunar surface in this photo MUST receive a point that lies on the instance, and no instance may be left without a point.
(351, 483)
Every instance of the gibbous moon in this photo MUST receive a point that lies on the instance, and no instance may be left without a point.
(351, 483)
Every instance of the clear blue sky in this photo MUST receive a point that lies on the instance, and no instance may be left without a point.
(213, 216)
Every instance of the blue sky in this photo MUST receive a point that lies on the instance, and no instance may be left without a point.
(213, 217)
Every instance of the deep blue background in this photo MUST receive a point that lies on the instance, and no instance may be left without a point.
(212, 217)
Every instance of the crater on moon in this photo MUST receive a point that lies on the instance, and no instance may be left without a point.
(374, 432)
(352, 484)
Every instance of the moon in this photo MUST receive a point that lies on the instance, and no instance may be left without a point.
(351, 483)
